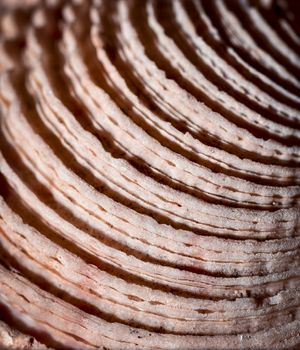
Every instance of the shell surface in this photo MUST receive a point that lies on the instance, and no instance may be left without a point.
(150, 174)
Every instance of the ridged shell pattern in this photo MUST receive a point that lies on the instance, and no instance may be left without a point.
(150, 173)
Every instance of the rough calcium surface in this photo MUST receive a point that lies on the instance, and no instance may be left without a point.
(149, 174)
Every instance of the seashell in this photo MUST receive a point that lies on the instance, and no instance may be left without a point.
(150, 174)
